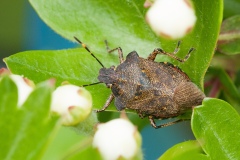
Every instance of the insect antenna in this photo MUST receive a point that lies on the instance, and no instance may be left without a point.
(85, 85)
(84, 46)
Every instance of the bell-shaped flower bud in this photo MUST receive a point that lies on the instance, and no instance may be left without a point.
(118, 139)
(24, 86)
(171, 18)
(72, 103)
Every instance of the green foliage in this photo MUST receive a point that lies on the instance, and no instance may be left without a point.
(28, 132)
(231, 8)
(122, 23)
(125, 26)
(186, 150)
(230, 91)
(74, 65)
(25, 131)
(229, 38)
(68, 144)
(216, 126)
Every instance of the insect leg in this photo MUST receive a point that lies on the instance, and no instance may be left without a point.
(156, 51)
(108, 102)
(120, 53)
(163, 125)
(153, 55)
(177, 48)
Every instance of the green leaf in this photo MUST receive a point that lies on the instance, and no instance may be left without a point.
(74, 65)
(186, 150)
(87, 126)
(25, 131)
(123, 21)
(216, 126)
(123, 24)
(8, 99)
(83, 150)
(229, 38)
(67, 143)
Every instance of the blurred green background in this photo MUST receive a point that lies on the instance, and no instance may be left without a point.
(11, 28)
(21, 30)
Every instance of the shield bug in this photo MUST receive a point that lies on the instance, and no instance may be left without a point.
(157, 90)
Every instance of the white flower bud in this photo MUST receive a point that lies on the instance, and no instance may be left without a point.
(72, 103)
(116, 139)
(24, 86)
(147, 3)
(171, 18)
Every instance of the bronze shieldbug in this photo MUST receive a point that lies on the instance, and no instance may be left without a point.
(157, 90)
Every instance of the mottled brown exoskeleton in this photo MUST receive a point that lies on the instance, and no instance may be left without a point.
(157, 90)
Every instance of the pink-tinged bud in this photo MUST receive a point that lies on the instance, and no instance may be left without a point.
(24, 86)
(148, 3)
(171, 18)
(72, 103)
(118, 139)
(4, 71)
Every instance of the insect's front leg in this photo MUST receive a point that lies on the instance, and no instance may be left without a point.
(106, 105)
(120, 53)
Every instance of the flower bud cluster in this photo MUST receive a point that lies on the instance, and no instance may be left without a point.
(72, 103)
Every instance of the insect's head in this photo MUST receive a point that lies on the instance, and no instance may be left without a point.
(107, 75)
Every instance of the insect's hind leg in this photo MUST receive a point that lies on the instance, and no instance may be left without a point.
(152, 122)
(156, 51)
(120, 53)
